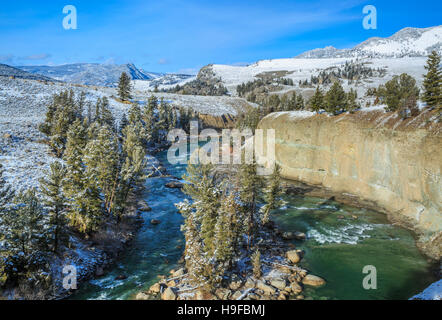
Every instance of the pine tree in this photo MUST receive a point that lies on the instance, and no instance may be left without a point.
(23, 236)
(227, 231)
(24, 230)
(300, 102)
(249, 187)
(206, 194)
(82, 193)
(124, 87)
(397, 91)
(55, 202)
(317, 101)
(101, 159)
(132, 170)
(272, 194)
(352, 105)
(336, 99)
(256, 264)
(433, 81)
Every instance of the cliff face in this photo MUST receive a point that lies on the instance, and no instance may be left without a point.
(373, 156)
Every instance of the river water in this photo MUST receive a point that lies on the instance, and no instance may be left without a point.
(341, 241)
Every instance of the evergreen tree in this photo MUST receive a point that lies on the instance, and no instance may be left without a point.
(24, 237)
(352, 105)
(55, 202)
(272, 194)
(397, 91)
(317, 101)
(227, 230)
(124, 87)
(249, 187)
(335, 99)
(132, 170)
(300, 102)
(256, 264)
(433, 81)
(101, 159)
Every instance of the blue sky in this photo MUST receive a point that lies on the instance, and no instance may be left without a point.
(182, 36)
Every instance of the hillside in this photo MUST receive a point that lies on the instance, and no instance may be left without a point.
(8, 71)
(106, 75)
(405, 51)
(408, 42)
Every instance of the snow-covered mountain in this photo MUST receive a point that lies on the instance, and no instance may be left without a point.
(408, 42)
(8, 71)
(91, 73)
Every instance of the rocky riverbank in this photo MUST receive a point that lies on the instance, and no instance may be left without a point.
(282, 278)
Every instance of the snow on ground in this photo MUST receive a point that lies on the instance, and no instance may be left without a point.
(213, 105)
(303, 69)
(22, 108)
(23, 105)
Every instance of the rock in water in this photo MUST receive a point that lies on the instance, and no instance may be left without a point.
(288, 236)
(312, 280)
(142, 296)
(295, 288)
(155, 222)
(269, 290)
(278, 284)
(169, 294)
(300, 236)
(155, 289)
(174, 185)
(293, 256)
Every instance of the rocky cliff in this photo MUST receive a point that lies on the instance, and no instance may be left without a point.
(392, 164)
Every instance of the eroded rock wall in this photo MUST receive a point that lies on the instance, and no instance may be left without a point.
(373, 156)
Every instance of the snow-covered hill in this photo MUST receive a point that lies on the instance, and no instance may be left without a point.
(8, 71)
(106, 75)
(408, 42)
(406, 51)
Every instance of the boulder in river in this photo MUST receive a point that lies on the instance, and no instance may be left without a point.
(174, 185)
(99, 272)
(267, 289)
(300, 235)
(155, 222)
(288, 235)
(312, 280)
(169, 294)
(144, 207)
(121, 277)
(142, 296)
(293, 256)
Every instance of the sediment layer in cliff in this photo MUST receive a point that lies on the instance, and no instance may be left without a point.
(373, 156)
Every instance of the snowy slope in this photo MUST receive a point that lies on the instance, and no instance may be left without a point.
(303, 69)
(8, 71)
(405, 51)
(91, 73)
(408, 42)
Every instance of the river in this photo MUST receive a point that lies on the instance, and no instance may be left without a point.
(341, 241)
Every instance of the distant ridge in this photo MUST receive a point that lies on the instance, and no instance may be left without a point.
(106, 75)
(8, 71)
(408, 42)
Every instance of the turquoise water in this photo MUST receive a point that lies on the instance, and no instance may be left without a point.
(341, 241)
